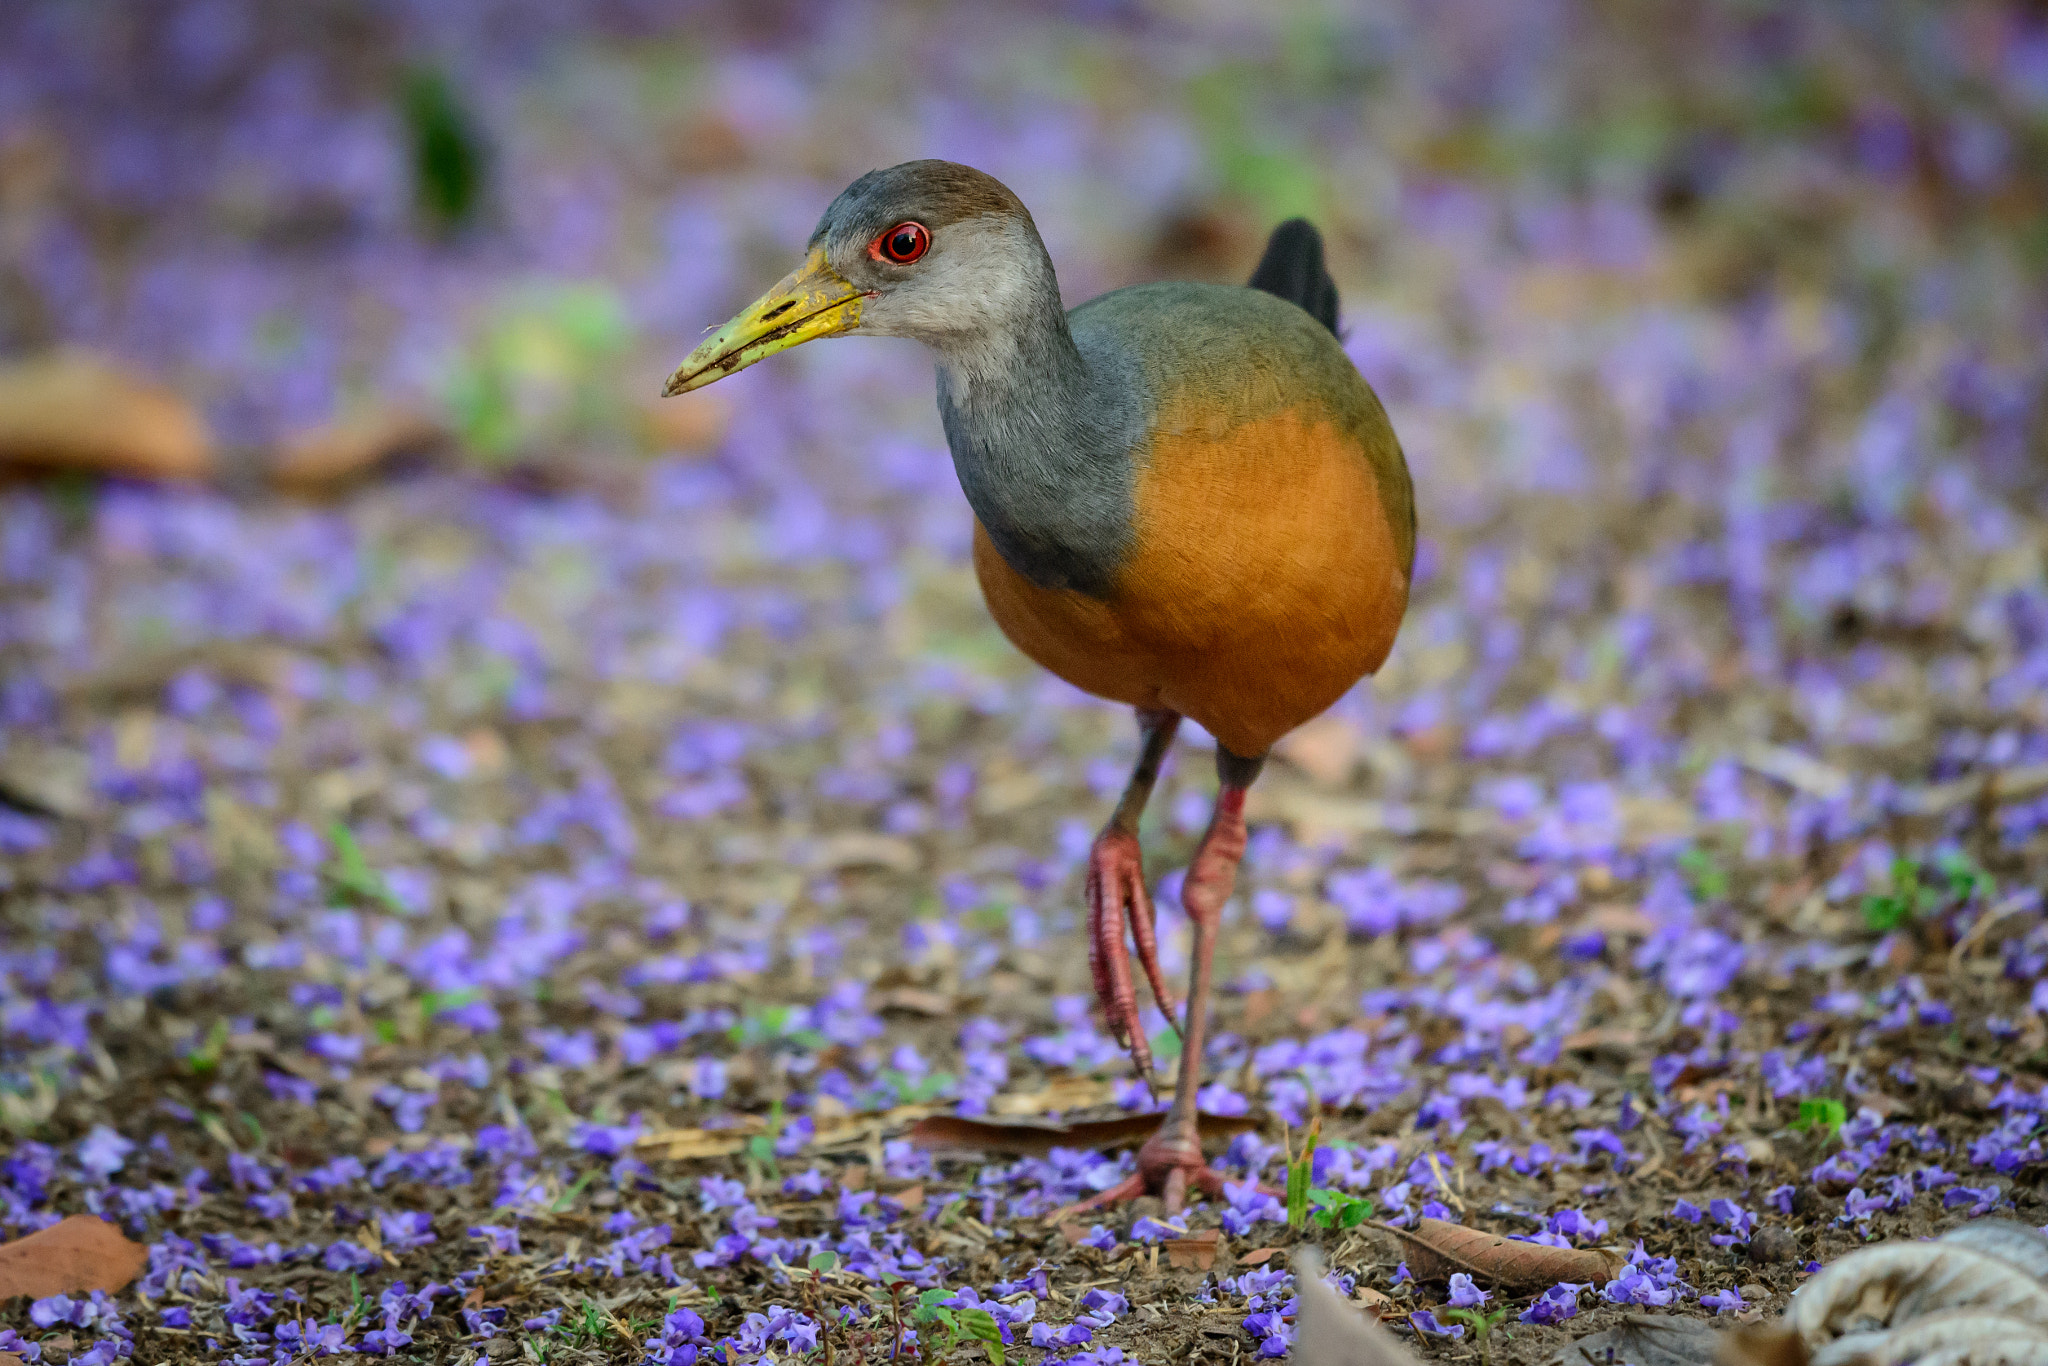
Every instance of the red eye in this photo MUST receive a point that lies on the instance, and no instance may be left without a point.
(902, 244)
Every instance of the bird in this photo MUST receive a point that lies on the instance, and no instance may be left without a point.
(1186, 499)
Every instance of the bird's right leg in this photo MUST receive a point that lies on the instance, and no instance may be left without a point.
(1117, 899)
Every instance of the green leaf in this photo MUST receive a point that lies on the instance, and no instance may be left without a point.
(449, 160)
(1823, 1114)
(1886, 913)
(1297, 1191)
(350, 872)
(980, 1326)
(1709, 881)
(567, 1199)
(823, 1261)
(207, 1056)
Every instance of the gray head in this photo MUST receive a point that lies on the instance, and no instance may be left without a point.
(931, 250)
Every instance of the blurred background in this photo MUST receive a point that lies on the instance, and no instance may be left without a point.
(509, 218)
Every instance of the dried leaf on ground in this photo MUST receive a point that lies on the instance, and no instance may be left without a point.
(1435, 1249)
(830, 1131)
(1645, 1340)
(47, 780)
(71, 1257)
(71, 411)
(951, 1133)
(1195, 1252)
(351, 448)
(1329, 1332)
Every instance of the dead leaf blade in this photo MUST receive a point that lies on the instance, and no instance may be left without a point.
(76, 1255)
(1436, 1249)
(954, 1133)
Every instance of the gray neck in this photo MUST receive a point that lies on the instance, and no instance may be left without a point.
(1041, 435)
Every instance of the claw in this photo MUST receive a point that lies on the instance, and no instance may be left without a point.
(1118, 904)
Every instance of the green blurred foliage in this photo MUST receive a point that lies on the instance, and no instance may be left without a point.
(542, 372)
(449, 159)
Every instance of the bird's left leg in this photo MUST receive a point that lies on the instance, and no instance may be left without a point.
(1117, 898)
(1171, 1160)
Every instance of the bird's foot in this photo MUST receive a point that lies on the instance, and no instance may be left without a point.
(1117, 901)
(1170, 1166)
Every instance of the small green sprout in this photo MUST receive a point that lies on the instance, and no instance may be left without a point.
(1335, 1209)
(1827, 1116)
(1299, 1169)
(351, 878)
(1708, 879)
(203, 1059)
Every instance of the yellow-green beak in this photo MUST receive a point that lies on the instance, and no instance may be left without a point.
(812, 301)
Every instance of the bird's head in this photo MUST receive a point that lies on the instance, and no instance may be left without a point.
(930, 249)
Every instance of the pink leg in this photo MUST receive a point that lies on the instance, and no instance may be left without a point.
(1118, 901)
(1171, 1161)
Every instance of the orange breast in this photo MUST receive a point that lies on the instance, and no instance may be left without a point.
(1267, 578)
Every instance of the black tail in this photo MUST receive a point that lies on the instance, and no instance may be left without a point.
(1293, 269)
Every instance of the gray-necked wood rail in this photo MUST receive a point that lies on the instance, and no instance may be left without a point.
(1186, 498)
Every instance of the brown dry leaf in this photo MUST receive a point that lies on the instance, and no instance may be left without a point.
(1258, 1256)
(910, 1198)
(1372, 1302)
(1073, 1233)
(10, 1359)
(72, 411)
(854, 1178)
(1196, 1252)
(1062, 1093)
(69, 1258)
(932, 1005)
(1434, 1249)
(45, 779)
(351, 448)
(1607, 1036)
(952, 1133)
(831, 1131)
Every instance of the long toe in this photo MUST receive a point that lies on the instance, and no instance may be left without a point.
(1109, 960)
(1145, 935)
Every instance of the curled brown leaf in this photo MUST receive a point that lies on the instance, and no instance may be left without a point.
(952, 1133)
(1435, 1250)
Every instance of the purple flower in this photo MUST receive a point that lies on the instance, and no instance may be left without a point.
(1686, 1210)
(1424, 1321)
(103, 1152)
(343, 1255)
(1554, 1305)
(406, 1230)
(1739, 1222)
(1723, 1302)
(1464, 1294)
(1981, 1199)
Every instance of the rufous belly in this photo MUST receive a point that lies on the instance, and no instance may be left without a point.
(1265, 580)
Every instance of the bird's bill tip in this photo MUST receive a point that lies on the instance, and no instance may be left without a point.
(812, 301)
